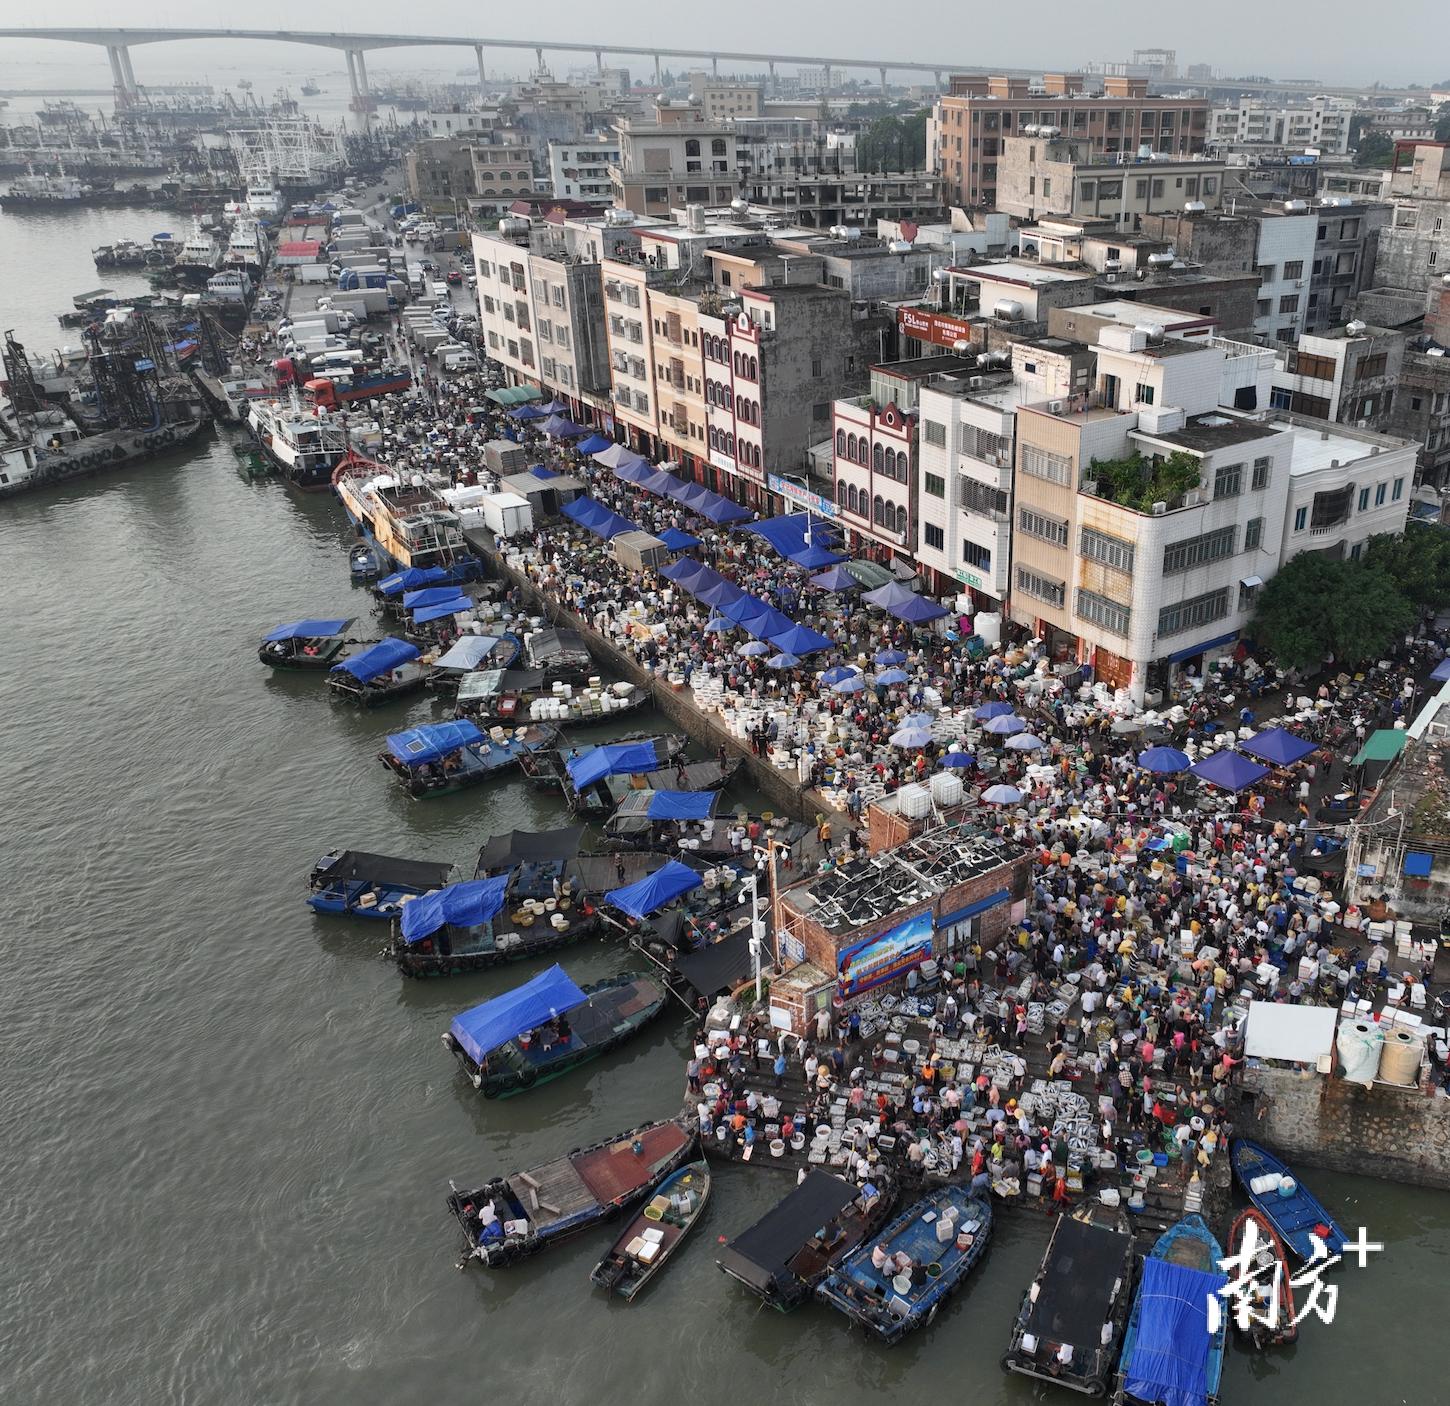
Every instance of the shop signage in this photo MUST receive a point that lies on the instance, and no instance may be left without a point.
(938, 328)
(794, 493)
(885, 956)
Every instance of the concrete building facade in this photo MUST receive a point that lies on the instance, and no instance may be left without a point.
(1323, 124)
(674, 158)
(580, 170)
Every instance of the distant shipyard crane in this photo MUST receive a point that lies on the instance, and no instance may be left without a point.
(286, 151)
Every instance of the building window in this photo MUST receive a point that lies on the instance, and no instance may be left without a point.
(1294, 268)
(1046, 529)
(975, 496)
(933, 536)
(1371, 366)
(979, 557)
(1228, 481)
(1040, 463)
(1041, 588)
(1199, 551)
(1099, 610)
(1289, 303)
(936, 485)
(1379, 494)
(1364, 500)
(932, 432)
(1300, 518)
(1399, 490)
(1191, 614)
(1319, 368)
(1260, 479)
(1253, 534)
(1110, 551)
(1143, 393)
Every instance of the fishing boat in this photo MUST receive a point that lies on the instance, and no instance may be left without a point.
(355, 884)
(509, 1218)
(1267, 1319)
(1296, 1214)
(467, 656)
(560, 653)
(306, 447)
(547, 1027)
(365, 563)
(403, 515)
(493, 919)
(389, 591)
(785, 1254)
(944, 1236)
(671, 822)
(504, 696)
(304, 644)
(438, 759)
(381, 673)
(656, 1233)
(1075, 1312)
(1170, 1355)
(200, 256)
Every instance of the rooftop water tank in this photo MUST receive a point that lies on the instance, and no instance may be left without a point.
(946, 790)
(1194, 207)
(1356, 329)
(513, 224)
(695, 216)
(1296, 207)
(900, 246)
(914, 802)
(1009, 310)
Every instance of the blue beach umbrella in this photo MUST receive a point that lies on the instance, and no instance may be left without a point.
(890, 676)
(1004, 725)
(782, 661)
(1001, 795)
(958, 760)
(754, 647)
(837, 672)
(911, 737)
(889, 656)
(988, 711)
(1025, 742)
(854, 684)
(718, 624)
(918, 720)
(1164, 760)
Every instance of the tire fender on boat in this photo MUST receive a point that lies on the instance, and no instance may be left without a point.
(167, 435)
(138, 443)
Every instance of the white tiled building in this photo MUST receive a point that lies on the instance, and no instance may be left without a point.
(1284, 255)
(580, 170)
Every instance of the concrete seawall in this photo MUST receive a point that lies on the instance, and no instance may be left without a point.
(785, 794)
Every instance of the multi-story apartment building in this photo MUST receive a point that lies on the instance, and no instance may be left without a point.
(976, 113)
(1422, 399)
(580, 170)
(502, 172)
(1414, 248)
(1044, 175)
(673, 159)
(1346, 248)
(1348, 376)
(728, 102)
(439, 174)
(1323, 124)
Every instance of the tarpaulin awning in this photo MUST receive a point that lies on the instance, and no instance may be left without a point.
(906, 605)
(424, 613)
(836, 578)
(378, 659)
(359, 866)
(410, 579)
(429, 595)
(655, 890)
(527, 413)
(593, 445)
(1169, 1360)
(1382, 745)
(870, 574)
(800, 640)
(1192, 651)
(612, 455)
(513, 395)
(530, 847)
(1418, 864)
(1083, 1264)
(1229, 771)
(464, 905)
(678, 541)
(498, 1021)
(716, 508)
(468, 652)
(431, 741)
(719, 966)
(793, 533)
(682, 805)
(307, 630)
(696, 576)
(680, 570)
(613, 759)
(1298, 1033)
(1277, 746)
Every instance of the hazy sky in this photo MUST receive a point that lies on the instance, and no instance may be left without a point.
(1395, 41)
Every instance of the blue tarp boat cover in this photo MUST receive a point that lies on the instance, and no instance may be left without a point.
(800, 640)
(410, 579)
(498, 1021)
(424, 613)
(682, 805)
(307, 630)
(615, 759)
(1229, 771)
(654, 891)
(678, 541)
(468, 652)
(1278, 746)
(378, 659)
(464, 905)
(429, 595)
(432, 740)
(1171, 1350)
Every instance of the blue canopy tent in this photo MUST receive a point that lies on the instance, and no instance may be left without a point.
(1229, 771)
(410, 578)
(679, 570)
(615, 759)
(307, 630)
(678, 541)
(594, 517)
(658, 482)
(378, 659)
(719, 593)
(800, 640)
(692, 495)
(553, 407)
(696, 577)
(1169, 1358)
(905, 605)
(633, 470)
(676, 488)
(654, 891)
(836, 578)
(1277, 746)
(812, 558)
(747, 604)
(560, 427)
(766, 622)
(793, 533)
(1441, 672)
(718, 509)
(528, 412)
(611, 454)
(429, 595)
(682, 805)
(1166, 761)
(444, 608)
(496, 1022)
(593, 444)
(432, 741)
(464, 905)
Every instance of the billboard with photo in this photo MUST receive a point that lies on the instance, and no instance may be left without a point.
(887, 955)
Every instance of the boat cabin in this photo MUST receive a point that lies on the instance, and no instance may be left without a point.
(357, 884)
(304, 644)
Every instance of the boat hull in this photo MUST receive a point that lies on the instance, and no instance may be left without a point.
(432, 963)
(623, 1274)
(1295, 1218)
(104, 453)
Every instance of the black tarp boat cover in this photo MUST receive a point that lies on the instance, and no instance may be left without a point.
(719, 966)
(355, 864)
(530, 847)
(548, 647)
(761, 1255)
(1084, 1262)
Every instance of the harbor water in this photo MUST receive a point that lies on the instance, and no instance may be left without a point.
(227, 1126)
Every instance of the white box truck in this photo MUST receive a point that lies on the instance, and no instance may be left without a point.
(507, 514)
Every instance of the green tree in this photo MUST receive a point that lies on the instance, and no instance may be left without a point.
(1417, 561)
(1442, 123)
(1321, 608)
(1374, 150)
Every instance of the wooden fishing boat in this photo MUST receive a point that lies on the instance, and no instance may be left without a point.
(522, 933)
(509, 1218)
(561, 654)
(1297, 1217)
(365, 563)
(656, 1233)
(468, 656)
(1169, 1353)
(944, 1235)
(355, 884)
(557, 770)
(669, 822)
(311, 645)
(1073, 1316)
(438, 759)
(543, 1043)
(506, 695)
(381, 673)
(785, 1254)
(1269, 1320)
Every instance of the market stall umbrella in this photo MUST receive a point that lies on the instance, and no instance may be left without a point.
(782, 661)
(1164, 760)
(891, 676)
(1025, 742)
(1001, 795)
(1277, 746)
(852, 685)
(988, 711)
(918, 720)
(837, 672)
(889, 656)
(1004, 725)
(959, 760)
(753, 647)
(717, 625)
(1229, 771)
(836, 578)
(911, 737)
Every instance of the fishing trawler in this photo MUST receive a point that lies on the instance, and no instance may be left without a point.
(403, 516)
(246, 249)
(200, 256)
(305, 446)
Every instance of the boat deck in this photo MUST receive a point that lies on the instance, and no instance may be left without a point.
(617, 1170)
(552, 1193)
(594, 1023)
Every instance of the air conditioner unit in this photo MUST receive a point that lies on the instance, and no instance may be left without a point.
(1110, 278)
(1159, 509)
(1055, 406)
(1090, 487)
